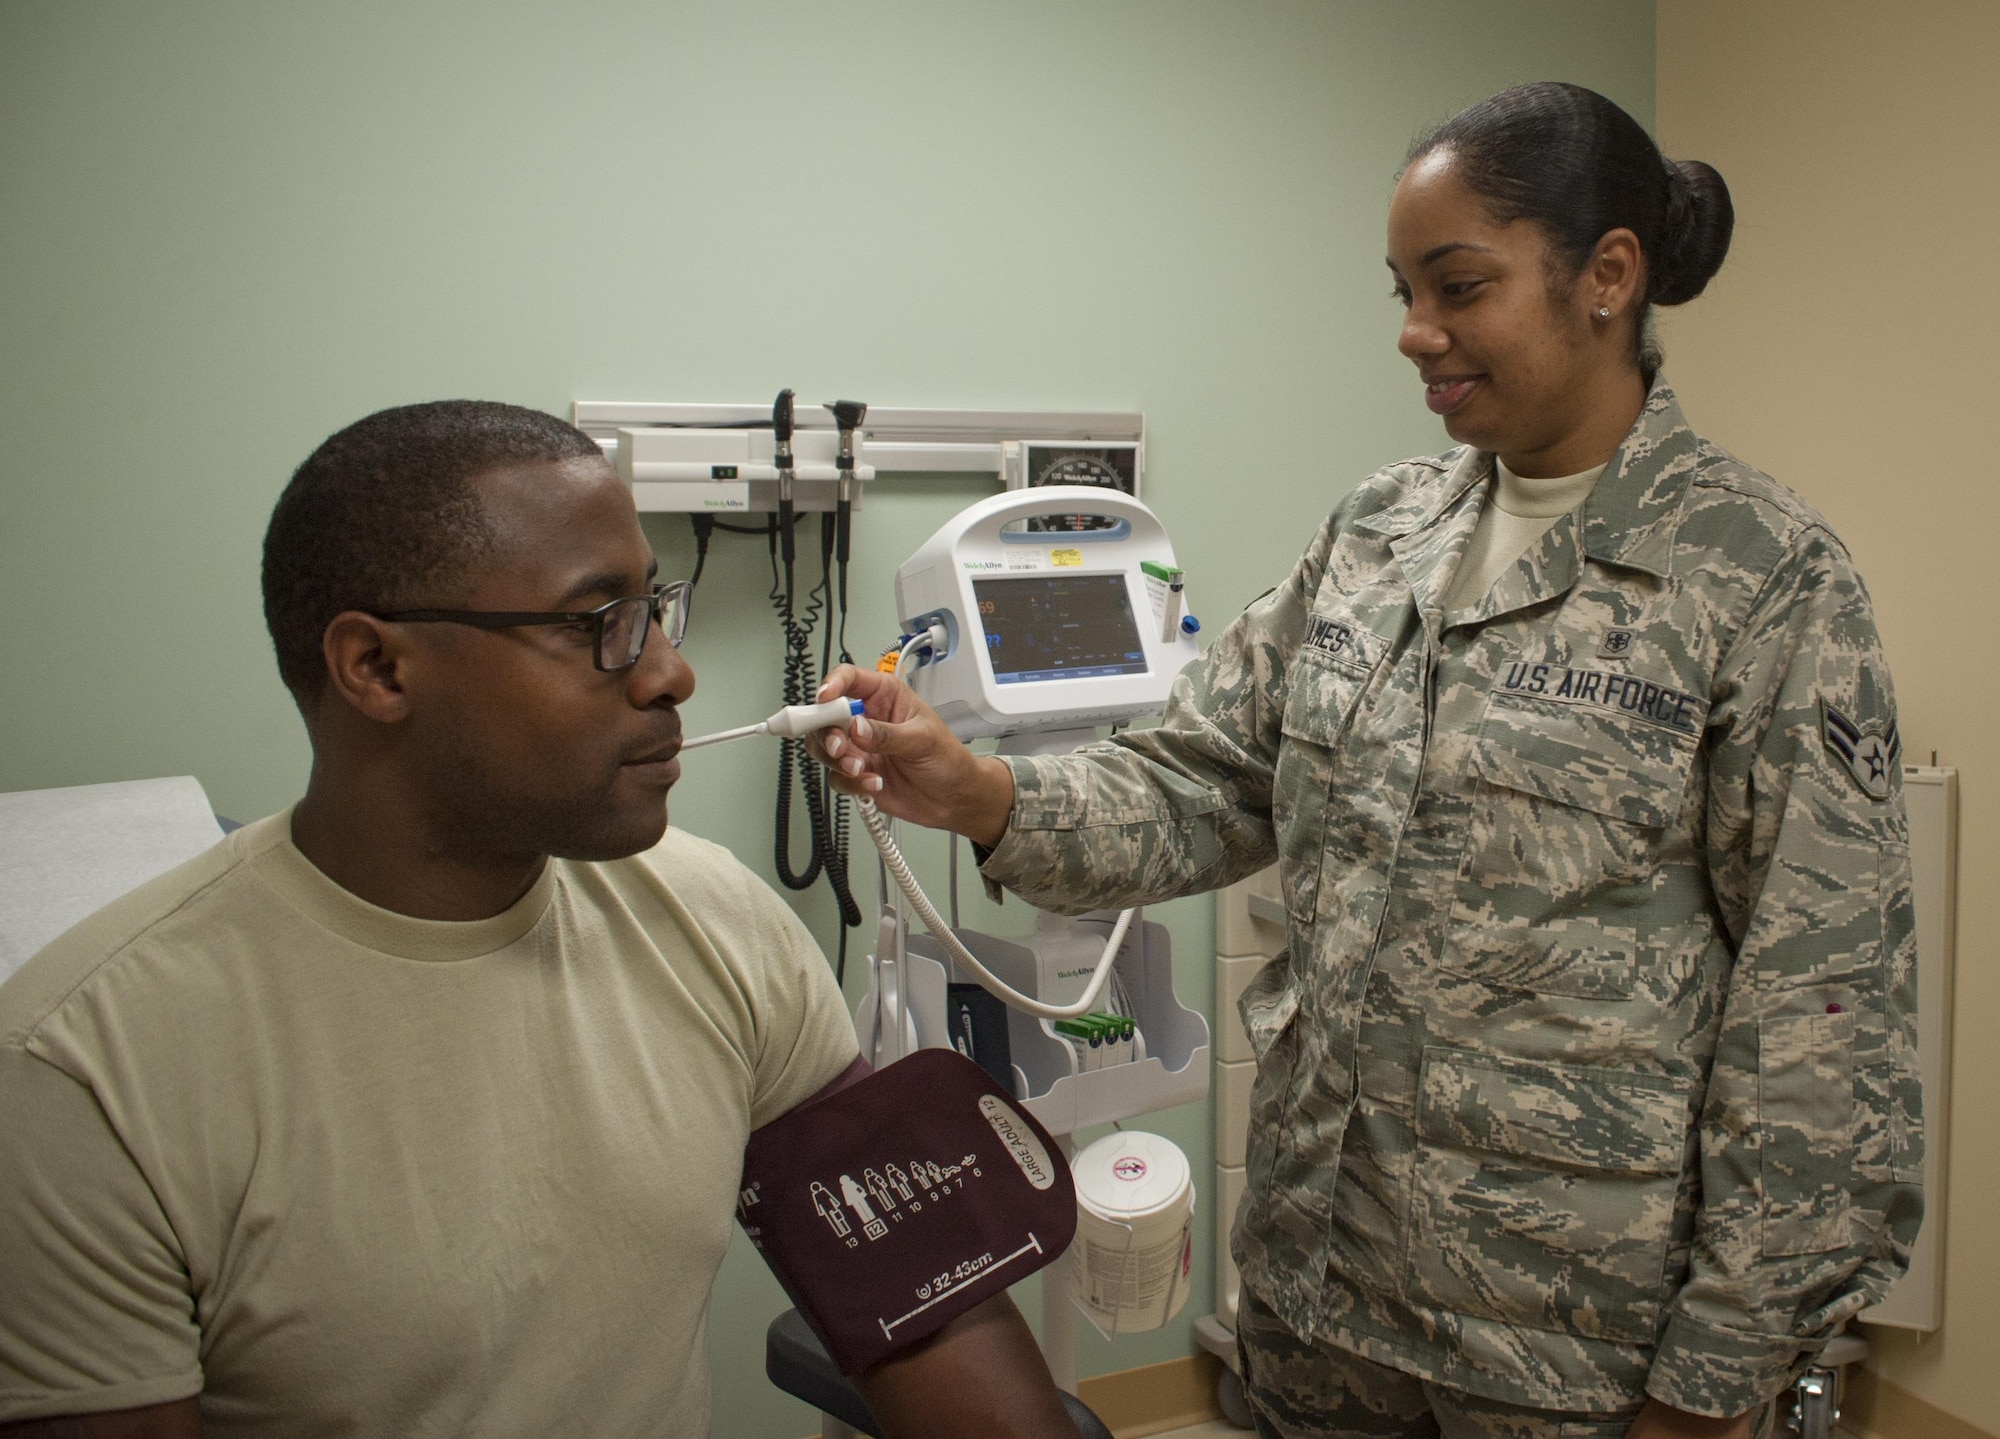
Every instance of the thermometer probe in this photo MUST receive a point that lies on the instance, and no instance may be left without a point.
(791, 722)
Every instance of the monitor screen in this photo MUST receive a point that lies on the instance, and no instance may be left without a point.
(1059, 627)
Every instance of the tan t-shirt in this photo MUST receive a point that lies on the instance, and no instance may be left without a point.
(346, 1172)
(1517, 513)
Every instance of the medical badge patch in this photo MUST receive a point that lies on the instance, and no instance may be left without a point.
(1870, 755)
(1617, 643)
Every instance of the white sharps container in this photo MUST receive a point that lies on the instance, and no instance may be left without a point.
(1134, 1231)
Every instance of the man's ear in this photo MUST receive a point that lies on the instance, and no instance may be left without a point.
(366, 664)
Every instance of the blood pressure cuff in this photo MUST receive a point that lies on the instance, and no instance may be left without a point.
(894, 1205)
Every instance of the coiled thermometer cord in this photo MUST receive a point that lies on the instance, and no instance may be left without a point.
(797, 721)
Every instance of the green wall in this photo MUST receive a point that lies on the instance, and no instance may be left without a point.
(226, 230)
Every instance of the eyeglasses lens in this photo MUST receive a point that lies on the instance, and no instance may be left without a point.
(675, 602)
(623, 637)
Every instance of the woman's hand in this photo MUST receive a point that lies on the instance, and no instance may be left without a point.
(900, 755)
(1661, 1421)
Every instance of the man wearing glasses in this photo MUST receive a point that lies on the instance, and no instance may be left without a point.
(419, 1108)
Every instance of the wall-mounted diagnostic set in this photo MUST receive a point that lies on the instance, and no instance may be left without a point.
(758, 471)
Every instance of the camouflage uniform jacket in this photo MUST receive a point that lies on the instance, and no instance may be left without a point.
(1590, 1070)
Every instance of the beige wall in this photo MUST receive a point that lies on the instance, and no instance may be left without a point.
(1849, 348)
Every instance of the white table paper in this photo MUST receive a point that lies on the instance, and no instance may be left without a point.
(65, 853)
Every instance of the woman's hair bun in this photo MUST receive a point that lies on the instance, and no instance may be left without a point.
(1694, 235)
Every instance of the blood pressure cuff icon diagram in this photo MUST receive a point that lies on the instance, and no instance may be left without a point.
(891, 1207)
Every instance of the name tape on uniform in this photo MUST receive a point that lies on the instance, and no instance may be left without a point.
(1608, 691)
(1343, 643)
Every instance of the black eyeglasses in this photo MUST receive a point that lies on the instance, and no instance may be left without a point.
(619, 628)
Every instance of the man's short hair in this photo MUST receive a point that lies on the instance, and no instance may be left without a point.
(384, 516)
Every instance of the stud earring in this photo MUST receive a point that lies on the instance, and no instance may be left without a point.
(1603, 312)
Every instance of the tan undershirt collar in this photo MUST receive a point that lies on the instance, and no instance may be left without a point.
(276, 860)
(1541, 499)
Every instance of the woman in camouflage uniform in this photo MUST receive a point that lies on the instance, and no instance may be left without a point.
(1586, 1100)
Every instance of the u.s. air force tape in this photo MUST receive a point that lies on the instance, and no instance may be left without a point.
(894, 1205)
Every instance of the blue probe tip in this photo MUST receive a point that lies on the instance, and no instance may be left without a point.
(1189, 624)
(854, 707)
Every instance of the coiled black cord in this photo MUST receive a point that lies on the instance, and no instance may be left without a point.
(792, 758)
(833, 802)
(826, 807)
(826, 812)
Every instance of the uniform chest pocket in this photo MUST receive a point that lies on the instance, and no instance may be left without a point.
(1322, 692)
(1569, 812)
(1324, 686)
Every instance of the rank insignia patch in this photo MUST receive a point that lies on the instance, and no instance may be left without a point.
(1870, 755)
(1617, 644)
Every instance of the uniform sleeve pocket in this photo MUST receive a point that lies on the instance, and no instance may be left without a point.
(1805, 1104)
(1906, 1104)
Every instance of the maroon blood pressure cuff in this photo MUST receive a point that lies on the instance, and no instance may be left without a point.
(894, 1205)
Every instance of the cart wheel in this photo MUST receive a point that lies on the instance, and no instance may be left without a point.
(1813, 1411)
(1229, 1398)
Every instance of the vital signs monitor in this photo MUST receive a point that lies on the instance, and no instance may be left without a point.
(1047, 629)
